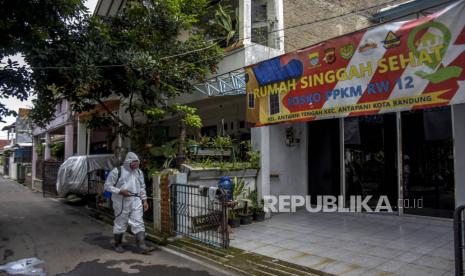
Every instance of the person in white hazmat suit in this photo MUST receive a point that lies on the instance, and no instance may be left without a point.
(126, 183)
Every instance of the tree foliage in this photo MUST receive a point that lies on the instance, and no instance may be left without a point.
(138, 56)
(26, 25)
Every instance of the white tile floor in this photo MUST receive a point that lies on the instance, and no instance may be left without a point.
(354, 244)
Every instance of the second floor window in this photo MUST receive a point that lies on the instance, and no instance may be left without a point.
(274, 104)
(59, 108)
(264, 23)
(251, 101)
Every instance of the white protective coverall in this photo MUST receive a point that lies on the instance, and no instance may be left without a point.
(127, 209)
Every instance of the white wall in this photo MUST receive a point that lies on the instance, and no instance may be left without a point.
(233, 61)
(13, 168)
(288, 165)
(214, 110)
(260, 137)
(255, 53)
(458, 114)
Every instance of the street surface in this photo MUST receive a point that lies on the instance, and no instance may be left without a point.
(73, 243)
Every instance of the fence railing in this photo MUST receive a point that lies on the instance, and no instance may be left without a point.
(458, 239)
(96, 200)
(199, 213)
(39, 168)
(49, 177)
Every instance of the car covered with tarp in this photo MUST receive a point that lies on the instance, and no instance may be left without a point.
(77, 172)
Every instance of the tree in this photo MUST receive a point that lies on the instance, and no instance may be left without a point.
(141, 56)
(25, 25)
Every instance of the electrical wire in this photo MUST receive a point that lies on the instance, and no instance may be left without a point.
(317, 21)
(207, 47)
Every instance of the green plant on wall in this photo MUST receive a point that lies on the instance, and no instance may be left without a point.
(221, 144)
(239, 188)
(252, 156)
(40, 149)
(189, 120)
(57, 150)
(168, 151)
(225, 23)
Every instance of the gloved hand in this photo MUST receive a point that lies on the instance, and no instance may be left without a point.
(124, 192)
(146, 205)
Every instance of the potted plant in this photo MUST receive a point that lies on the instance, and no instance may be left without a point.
(246, 214)
(258, 213)
(233, 220)
(242, 195)
(257, 208)
(239, 188)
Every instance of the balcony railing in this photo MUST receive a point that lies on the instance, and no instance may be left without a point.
(232, 83)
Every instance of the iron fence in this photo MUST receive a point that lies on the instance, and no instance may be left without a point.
(458, 239)
(39, 168)
(49, 177)
(200, 213)
(95, 189)
(96, 200)
(21, 173)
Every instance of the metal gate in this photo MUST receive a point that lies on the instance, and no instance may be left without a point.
(49, 177)
(458, 239)
(21, 173)
(199, 213)
(97, 201)
(95, 188)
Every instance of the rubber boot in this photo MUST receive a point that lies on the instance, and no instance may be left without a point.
(140, 241)
(118, 243)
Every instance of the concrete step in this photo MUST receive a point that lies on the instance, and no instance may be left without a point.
(243, 262)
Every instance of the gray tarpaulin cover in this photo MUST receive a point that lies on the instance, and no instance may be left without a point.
(72, 175)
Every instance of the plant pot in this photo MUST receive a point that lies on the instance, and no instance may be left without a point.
(259, 216)
(246, 219)
(235, 222)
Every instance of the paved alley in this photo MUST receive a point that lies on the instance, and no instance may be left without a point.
(72, 243)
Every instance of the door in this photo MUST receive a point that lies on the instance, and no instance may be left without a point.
(324, 155)
(428, 162)
(370, 156)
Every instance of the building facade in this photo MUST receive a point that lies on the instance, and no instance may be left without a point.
(412, 157)
(17, 153)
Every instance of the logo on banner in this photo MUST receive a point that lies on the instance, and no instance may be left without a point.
(347, 51)
(314, 59)
(437, 36)
(330, 55)
(392, 40)
(367, 47)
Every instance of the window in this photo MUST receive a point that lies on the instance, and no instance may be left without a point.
(23, 155)
(260, 35)
(58, 107)
(242, 124)
(210, 131)
(264, 21)
(428, 162)
(274, 104)
(258, 11)
(251, 101)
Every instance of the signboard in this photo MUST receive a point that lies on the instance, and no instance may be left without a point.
(397, 66)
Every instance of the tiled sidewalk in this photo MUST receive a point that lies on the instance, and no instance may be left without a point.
(348, 244)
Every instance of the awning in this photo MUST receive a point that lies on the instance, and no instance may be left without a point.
(22, 145)
(232, 83)
(6, 128)
(112, 105)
